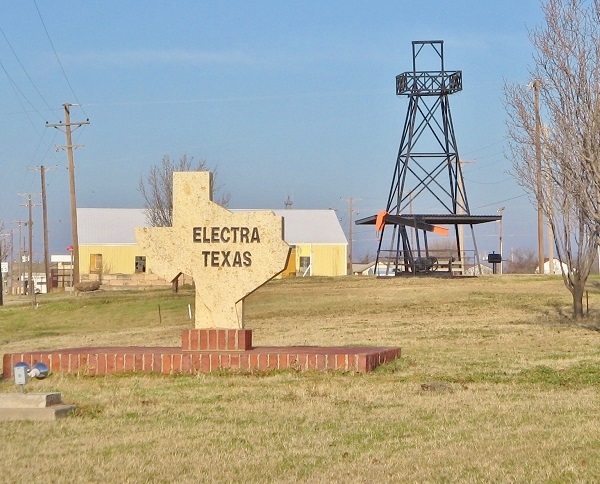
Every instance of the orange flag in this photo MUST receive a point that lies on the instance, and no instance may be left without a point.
(380, 222)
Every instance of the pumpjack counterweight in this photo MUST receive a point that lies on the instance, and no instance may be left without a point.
(427, 173)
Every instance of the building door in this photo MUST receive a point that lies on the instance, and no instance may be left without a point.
(95, 263)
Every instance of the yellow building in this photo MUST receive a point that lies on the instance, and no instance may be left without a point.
(320, 246)
(107, 245)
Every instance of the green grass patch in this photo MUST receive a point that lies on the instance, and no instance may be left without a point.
(494, 385)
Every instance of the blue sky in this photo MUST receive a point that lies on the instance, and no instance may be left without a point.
(286, 98)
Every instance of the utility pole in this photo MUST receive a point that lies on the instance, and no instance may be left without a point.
(538, 158)
(12, 260)
(30, 283)
(20, 286)
(45, 226)
(500, 210)
(549, 216)
(69, 148)
(4, 253)
(31, 286)
(42, 170)
(350, 201)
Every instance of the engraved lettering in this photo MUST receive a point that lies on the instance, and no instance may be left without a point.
(225, 233)
(218, 235)
(226, 262)
(196, 234)
(244, 232)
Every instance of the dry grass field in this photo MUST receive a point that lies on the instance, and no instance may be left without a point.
(495, 384)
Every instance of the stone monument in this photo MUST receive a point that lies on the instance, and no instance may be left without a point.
(228, 254)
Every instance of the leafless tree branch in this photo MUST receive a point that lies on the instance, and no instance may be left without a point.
(567, 67)
(157, 188)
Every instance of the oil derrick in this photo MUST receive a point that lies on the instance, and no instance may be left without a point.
(427, 176)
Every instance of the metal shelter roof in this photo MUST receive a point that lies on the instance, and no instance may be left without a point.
(422, 220)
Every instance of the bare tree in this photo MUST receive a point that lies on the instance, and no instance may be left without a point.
(366, 258)
(522, 261)
(157, 188)
(563, 173)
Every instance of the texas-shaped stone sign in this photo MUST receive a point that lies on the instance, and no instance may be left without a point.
(229, 254)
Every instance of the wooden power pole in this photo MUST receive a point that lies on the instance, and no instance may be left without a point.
(30, 283)
(45, 224)
(69, 148)
(20, 223)
(42, 169)
(350, 201)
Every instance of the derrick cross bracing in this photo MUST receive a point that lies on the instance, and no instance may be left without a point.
(428, 173)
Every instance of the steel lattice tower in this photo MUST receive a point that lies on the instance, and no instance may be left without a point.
(428, 173)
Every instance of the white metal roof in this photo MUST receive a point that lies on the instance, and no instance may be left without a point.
(311, 227)
(109, 226)
(115, 226)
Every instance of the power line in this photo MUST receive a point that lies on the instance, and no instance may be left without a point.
(501, 201)
(56, 55)
(25, 70)
(50, 145)
(486, 146)
(17, 88)
(488, 183)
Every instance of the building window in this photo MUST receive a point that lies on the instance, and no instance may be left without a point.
(304, 263)
(140, 264)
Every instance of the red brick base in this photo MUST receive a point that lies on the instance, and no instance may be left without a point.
(204, 351)
(216, 339)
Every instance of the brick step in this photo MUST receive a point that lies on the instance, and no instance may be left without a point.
(33, 406)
